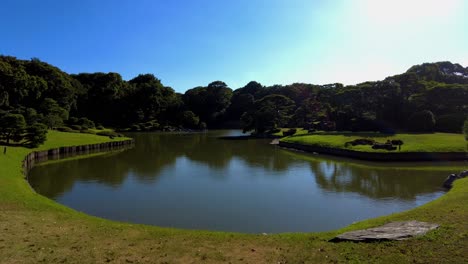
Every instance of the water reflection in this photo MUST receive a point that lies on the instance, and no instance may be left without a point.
(154, 152)
(209, 182)
(375, 182)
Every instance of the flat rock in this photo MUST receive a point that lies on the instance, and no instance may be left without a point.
(390, 231)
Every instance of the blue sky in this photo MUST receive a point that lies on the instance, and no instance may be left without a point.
(191, 43)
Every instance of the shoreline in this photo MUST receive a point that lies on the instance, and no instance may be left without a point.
(378, 156)
(62, 152)
(93, 239)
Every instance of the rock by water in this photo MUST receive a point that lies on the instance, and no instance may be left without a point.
(391, 231)
(452, 177)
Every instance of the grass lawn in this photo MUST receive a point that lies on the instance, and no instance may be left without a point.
(300, 131)
(34, 229)
(436, 142)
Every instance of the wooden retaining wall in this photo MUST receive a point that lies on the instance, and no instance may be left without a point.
(379, 156)
(44, 155)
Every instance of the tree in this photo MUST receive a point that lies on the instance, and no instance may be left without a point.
(247, 122)
(253, 88)
(240, 103)
(35, 135)
(101, 99)
(59, 86)
(209, 103)
(311, 111)
(450, 123)
(54, 115)
(149, 99)
(272, 111)
(11, 127)
(189, 119)
(422, 121)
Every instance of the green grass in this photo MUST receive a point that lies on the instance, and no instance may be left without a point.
(436, 142)
(34, 229)
(300, 131)
(95, 130)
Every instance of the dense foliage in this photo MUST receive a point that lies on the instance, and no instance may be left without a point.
(42, 93)
(422, 121)
(465, 129)
(13, 127)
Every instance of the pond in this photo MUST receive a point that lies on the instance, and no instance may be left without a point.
(198, 181)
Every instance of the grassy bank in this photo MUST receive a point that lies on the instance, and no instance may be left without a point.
(35, 229)
(436, 142)
(299, 131)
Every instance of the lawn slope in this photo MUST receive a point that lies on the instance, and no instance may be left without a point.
(436, 142)
(34, 229)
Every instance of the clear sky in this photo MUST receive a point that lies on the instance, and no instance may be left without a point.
(191, 43)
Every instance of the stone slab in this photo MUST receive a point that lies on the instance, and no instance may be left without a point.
(391, 231)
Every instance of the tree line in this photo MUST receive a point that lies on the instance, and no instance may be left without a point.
(35, 95)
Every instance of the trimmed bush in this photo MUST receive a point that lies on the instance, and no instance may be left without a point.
(87, 131)
(100, 127)
(64, 129)
(397, 142)
(86, 123)
(360, 141)
(386, 146)
(422, 121)
(76, 127)
(82, 122)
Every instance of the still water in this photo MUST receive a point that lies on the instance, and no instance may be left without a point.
(197, 181)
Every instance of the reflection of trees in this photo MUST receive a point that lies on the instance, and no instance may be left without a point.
(154, 152)
(218, 153)
(263, 155)
(53, 179)
(374, 182)
(151, 154)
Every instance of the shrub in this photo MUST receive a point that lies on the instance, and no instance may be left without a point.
(108, 134)
(189, 119)
(397, 142)
(85, 122)
(135, 127)
(145, 126)
(64, 129)
(76, 127)
(289, 132)
(82, 122)
(450, 123)
(386, 146)
(202, 125)
(275, 130)
(72, 121)
(422, 121)
(360, 141)
(87, 131)
(100, 127)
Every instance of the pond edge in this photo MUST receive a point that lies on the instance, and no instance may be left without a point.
(379, 156)
(43, 155)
